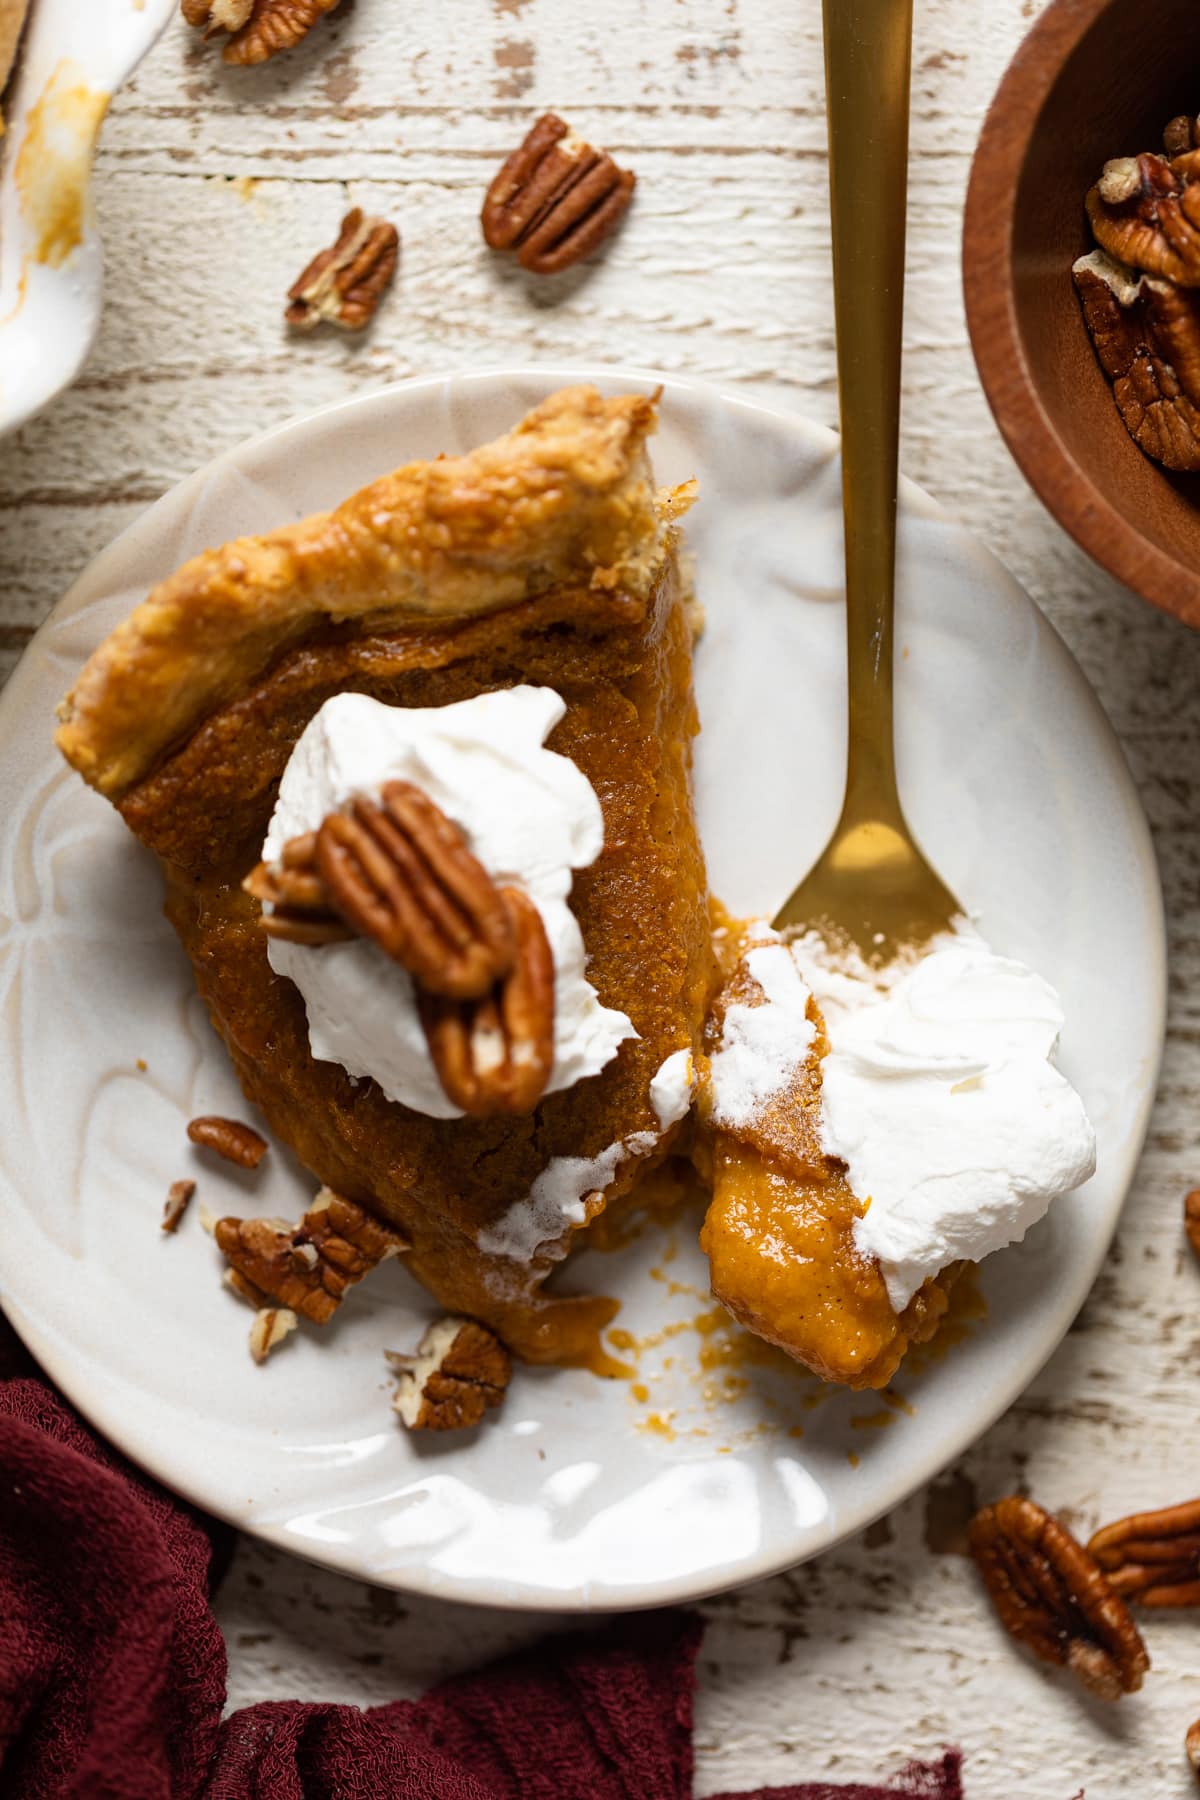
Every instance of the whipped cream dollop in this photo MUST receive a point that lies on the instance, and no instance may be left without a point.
(529, 815)
(939, 1093)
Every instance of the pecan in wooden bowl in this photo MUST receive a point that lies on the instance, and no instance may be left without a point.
(1073, 101)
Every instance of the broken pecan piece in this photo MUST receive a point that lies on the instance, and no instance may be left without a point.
(1054, 1597)
(401, 873)
(179, 1198)
(236, 1142)
(211, 16)
(295, 903)
(495, 1054)
(555, 199)
(271, 1325)
(460, 1370)
(258, 29)
(308, 1267)
(344, 284)
(1153, 1557)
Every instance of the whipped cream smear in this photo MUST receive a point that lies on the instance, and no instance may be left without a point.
(939, 1093)
(529, 815)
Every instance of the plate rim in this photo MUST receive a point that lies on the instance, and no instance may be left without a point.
(490, 1592)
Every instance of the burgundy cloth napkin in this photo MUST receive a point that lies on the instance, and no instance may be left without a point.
(112, 1668)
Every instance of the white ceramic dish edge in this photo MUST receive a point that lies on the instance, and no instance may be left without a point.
(50, 311)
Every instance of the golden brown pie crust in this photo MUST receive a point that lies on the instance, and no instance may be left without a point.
(566, 497)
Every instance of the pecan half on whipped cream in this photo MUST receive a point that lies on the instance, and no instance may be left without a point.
(400, 873)
(494, 1054)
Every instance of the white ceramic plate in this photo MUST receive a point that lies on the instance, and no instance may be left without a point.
(573, 1496)
(74, 56)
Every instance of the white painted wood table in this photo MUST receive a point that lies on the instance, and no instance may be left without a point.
(215, 187)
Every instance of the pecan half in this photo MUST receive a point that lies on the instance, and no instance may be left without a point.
(555, 199)
(236, 1142)
(179, 1197)
(308, 1267)
(1181, 135)
(1191, 1218)
(1153, 1557)
(401, 873)
(1054, 1597)
(459, 1372)
(495, 1054)
(295, 903)
(258, 29)
(1145, 212)
(344, 284)
(271, 1325)
(1146, 334)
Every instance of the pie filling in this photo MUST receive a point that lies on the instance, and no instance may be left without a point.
(418, 772)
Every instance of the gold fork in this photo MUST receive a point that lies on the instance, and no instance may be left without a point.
(871, 886)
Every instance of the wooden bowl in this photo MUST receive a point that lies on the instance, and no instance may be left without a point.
(1094, 79)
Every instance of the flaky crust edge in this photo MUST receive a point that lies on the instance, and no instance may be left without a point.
(567, 496)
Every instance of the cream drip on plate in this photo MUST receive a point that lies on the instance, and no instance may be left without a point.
(939, 1093)
(530, 816)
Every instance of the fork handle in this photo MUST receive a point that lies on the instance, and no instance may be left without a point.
(868, 57)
